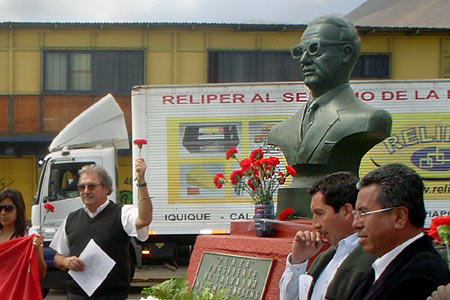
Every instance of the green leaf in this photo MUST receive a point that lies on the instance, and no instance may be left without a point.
(444, 233)
(178, 289)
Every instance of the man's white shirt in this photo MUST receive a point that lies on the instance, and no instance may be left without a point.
(380, 264)
(128, 217)
(289, 283)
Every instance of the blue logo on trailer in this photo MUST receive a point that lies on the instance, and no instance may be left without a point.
(432, 159)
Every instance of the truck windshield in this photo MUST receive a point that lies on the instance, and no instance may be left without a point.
(63, 180)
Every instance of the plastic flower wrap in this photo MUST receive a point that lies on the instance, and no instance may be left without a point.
(440, 232)
(260, 177)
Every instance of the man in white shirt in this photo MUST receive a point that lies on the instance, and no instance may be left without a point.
(334, 272)
(109, 224)
(389, 217)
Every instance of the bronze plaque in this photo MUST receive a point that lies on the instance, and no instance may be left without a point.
(242, 276)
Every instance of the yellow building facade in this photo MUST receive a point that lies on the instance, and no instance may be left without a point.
(32, 111)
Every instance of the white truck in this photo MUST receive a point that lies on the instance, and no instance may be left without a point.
(190, 127)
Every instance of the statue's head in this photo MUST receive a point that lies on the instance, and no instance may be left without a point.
(328, 50)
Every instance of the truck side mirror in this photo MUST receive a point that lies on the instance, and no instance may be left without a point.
(51, 197)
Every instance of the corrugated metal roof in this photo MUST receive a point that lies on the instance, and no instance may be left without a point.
(237, 26)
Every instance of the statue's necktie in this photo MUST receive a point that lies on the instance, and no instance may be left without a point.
(308, 120)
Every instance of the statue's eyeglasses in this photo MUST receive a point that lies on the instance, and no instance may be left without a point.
(312, 47)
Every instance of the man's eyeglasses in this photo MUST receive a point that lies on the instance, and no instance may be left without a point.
(359, 214)
(312, 47)
(90, 186)
(7, 208)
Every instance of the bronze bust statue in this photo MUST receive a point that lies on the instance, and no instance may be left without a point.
(334, 129)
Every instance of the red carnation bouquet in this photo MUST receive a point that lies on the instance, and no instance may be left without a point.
(260, 177)
(440, 232)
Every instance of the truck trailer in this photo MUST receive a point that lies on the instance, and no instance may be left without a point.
(189, 128)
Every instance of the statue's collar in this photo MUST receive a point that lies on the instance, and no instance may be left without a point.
(314, 103)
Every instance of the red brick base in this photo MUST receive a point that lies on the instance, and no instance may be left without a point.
(243, 241)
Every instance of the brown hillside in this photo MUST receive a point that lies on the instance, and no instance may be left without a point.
(402, 13)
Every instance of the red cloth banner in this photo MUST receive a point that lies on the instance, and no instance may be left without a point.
(19, 275)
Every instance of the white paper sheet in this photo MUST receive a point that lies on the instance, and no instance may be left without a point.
(97, 265)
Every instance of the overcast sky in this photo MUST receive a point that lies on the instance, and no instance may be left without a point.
(216, 11)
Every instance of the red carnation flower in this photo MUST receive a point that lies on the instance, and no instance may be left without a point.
(235, 176)
(281, 178)
(49, 207)
(291, 171)
(140, 142)
(219, 179)
(286, 213)
(250, 184)
(231, 153)
(273, 161)
(245, 164)
(435, 223)
(256, 154)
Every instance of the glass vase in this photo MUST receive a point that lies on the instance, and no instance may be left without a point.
(264, 212)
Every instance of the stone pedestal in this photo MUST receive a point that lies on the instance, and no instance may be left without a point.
(243, 241)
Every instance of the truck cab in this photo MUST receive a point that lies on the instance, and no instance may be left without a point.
(94, 137)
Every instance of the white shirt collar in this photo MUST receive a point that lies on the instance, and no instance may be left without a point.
(99, 209)
(348, 243)
(381, 263)
(344, 248)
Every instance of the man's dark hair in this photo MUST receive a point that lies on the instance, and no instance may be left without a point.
(103, 176)
(338, 188)
(399, 186)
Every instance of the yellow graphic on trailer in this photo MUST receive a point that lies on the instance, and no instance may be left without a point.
(196, 150)
(422, 142)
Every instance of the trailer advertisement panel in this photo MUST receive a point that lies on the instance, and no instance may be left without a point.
(189, 129)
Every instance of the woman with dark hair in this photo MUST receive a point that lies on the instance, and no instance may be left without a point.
(13, 225)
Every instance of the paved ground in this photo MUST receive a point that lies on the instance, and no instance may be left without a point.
(144, 277)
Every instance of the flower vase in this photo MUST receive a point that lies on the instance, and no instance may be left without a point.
(262, 227)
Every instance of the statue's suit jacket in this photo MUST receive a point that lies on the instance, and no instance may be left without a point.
(342, 118)
(413, 275)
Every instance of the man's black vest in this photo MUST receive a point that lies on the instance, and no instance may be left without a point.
(107, 231)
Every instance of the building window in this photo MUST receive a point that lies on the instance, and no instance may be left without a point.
(374, 66)
(259, 66)
(96, 71)
(252, 66)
